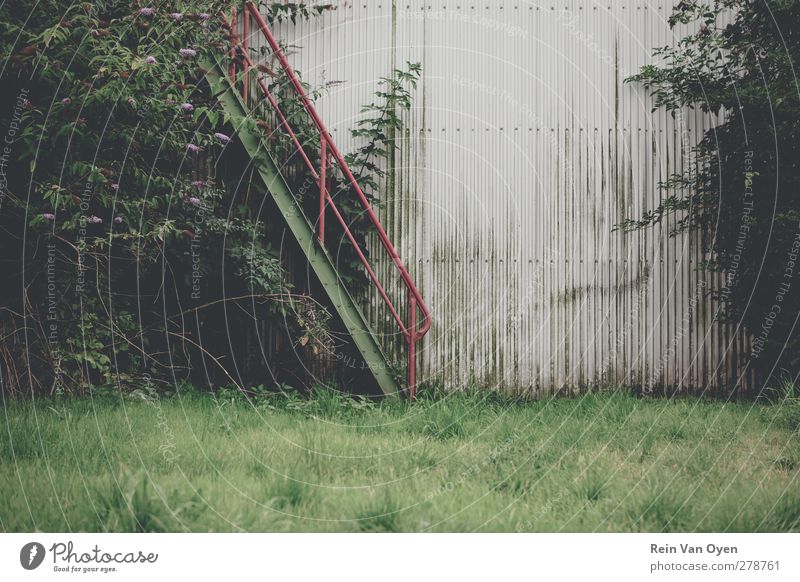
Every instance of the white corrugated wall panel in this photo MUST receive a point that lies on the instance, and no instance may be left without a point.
(524, 148)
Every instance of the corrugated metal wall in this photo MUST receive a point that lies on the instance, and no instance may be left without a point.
(523, 150)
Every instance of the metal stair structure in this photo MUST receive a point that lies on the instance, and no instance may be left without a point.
(244, 94)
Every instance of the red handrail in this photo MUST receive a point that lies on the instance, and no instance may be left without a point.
(327, 149)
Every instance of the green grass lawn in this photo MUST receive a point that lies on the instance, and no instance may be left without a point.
(604, 462)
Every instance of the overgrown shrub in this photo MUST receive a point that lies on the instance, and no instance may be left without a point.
(117, 228)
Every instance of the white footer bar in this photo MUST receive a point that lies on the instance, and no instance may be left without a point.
(406, 557)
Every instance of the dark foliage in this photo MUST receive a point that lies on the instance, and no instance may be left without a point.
(745, 188)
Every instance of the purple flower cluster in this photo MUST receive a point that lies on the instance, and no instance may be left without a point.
(222, 137)
(176, 16)
(193, 200)
(118, 220)
(66, 101)
(115, 187)
(188, 53)
(192, 148)
(94, 220)
(147, 12)
(150, 60)
(48, 216)
(204, 16)
(187, 107)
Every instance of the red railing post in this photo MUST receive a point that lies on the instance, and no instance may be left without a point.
(246, 49)
(233, 43)
(412, 344)
(323, 194)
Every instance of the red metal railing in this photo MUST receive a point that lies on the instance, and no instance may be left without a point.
(412, 331)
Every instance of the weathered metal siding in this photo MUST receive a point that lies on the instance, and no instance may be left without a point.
(524, 149)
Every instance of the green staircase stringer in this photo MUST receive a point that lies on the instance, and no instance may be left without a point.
(299, 225)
